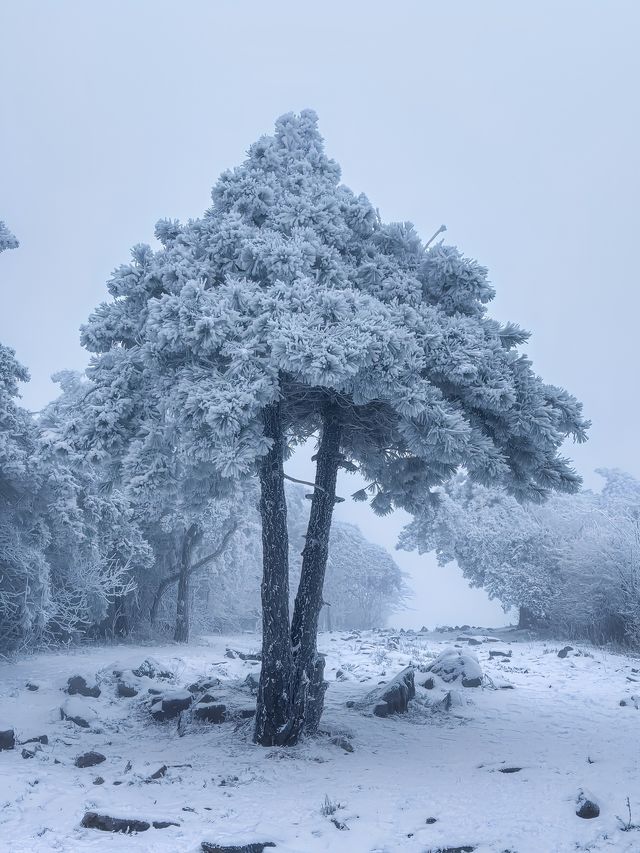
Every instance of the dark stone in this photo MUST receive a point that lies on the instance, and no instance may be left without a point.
(125, 691)
(89, 759)
(429, 684)
(210, 712)
(77, 719)
(170, 706)
(31, 686)
(394, 697)
(230, 654)
(160, 772)
(28, 753)
(465, 848)
(163, 824)
(247, 713)
(78, 685)
(98, 780)
(153, 691)
(494, 653)
(471, 682)
(7, 739)
(93, 820)
(509, 769)
(564, 652)
(431, 820)
(40, 739)
(473, 642)
(256, 847)
(587, 809)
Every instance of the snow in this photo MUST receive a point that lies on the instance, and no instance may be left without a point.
(560, 731)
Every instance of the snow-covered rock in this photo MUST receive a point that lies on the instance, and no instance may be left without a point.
(455, 665)
(77, 685)
(169, 705)
(78, 711)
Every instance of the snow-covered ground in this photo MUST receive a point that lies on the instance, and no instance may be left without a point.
(562, 725)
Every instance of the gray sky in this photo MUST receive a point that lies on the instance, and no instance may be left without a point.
(516, 124)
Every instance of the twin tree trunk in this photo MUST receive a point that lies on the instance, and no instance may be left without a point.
(292, 687)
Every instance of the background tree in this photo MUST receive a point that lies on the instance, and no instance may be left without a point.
(572, 564)
(289, 311)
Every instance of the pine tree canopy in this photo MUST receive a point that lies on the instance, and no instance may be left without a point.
(291, 288)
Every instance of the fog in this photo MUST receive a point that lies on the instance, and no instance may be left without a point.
(515, 125)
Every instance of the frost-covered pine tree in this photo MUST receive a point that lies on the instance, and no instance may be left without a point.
(497, 542)
(97, 550)
(7, 239)
(571, 565)
(289, 311)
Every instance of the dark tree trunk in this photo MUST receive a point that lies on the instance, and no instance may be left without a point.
(273, 712)
(526, 619)
(309, 685)
(181, 633)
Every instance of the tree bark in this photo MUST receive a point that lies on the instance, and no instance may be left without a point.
(309, 686)
(181, 633)
(526, 619)
(273, 711)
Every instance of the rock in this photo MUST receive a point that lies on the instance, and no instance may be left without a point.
(210, 712)
(255, 847)
(31, 686)
(94, 820)
(565, 651)
(252, 680)
(125, 690)
(465, 848)
(587, 806)
(230, 654)
(78, 712)
(98, 780)
(473, 642)
(90, 759)
(78, 685)
(150, 668)
(7, 739)
(456, 665)
(203, 684)
(39, 739)
(163, 824)
(28, 753)
(169, 705)
(431, 820)
(244, 655)
(160, 772)
(394, 697)
(343, 742)
(509, 769)
(429, 684)
(247, 713)
(495, 653)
